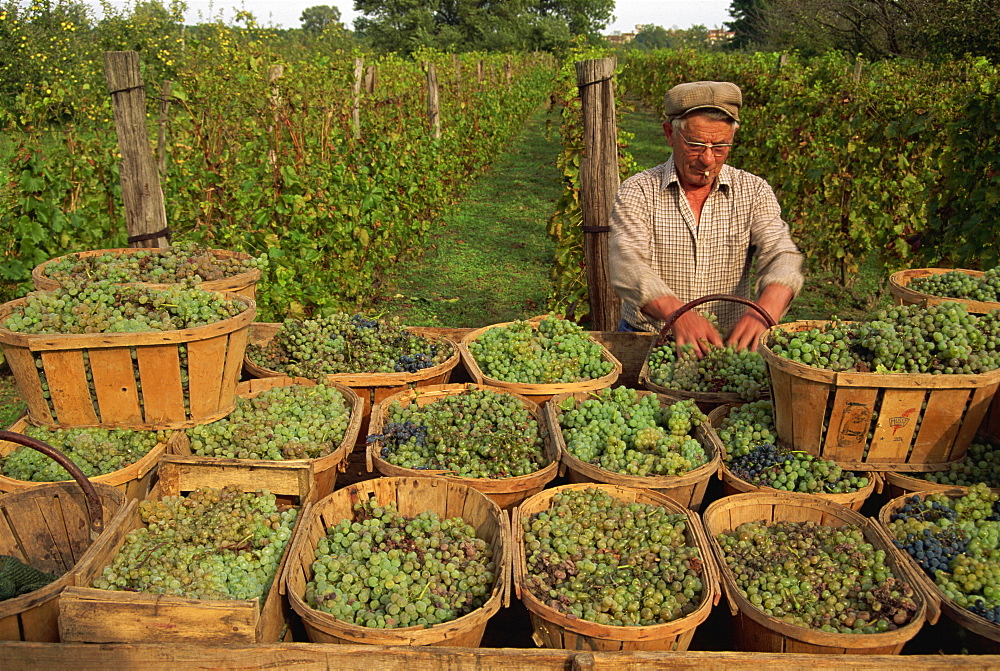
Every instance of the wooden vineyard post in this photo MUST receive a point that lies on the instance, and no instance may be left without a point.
(508, 69)
(598, 184)
(145, 214)
(274, 73)
(370, 79)
(359, 68)
(480, 73)
(433, 111)
(457, 64)
(161, 128)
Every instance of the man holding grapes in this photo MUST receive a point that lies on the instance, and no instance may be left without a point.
(694, 226)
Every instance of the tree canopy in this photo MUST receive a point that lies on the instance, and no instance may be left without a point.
(315, 20)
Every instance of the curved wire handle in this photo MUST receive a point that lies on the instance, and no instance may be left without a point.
(94, 506)
(676, 314)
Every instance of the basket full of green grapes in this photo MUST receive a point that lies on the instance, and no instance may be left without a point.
(126, 355)
(485, 437)
(903, 391)
(538, 358)
(281, 420)
(805, 574)
(400, 561)
(980, 465)
(215, 269)
(753, 459)
(122, 458)
(635, 438)
(978, 290)
(607, 568)
(949, 539)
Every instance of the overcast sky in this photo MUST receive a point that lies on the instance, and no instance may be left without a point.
(628, 13)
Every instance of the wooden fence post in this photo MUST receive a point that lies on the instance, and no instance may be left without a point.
(598, 184)
(145, 215)
(359, 67)
(161, 131)
(433, 111)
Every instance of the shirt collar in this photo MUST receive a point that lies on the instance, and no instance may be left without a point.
(722, 182)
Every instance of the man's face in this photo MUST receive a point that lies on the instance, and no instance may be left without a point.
(698, 166)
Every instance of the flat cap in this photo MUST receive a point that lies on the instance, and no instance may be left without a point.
(690, 96)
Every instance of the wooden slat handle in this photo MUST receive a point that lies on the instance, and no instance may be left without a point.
(94, 506)
(676, 314)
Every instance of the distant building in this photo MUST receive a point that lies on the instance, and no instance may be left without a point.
(620, 38)
(720, 35)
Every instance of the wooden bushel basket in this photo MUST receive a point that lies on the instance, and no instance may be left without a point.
(706, 400)
(325, 469)
(505, 492)
(554, 629)
(142, 393)
(903, 295)
(985, 634)
(734, 485)
(917, 422)
(89, 615)
(901, 484)
(52, 527)
(688, 489)
(372, 388)
(134, 480)
(410, 496)
(537, 392)
(759, 632)
(244, 283)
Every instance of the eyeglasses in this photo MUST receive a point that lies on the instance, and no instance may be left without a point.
(718, 150)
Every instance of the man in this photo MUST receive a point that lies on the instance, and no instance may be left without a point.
(693, 226)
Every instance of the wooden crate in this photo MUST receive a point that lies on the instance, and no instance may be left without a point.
(871, 421)
(688, 490)
(50, 528)
(325, 469)
(731, 484)
(540, 392)
(91, 615)
(555, 629)
(372, 388)
(985, 634)
(505, 492)
(134, 480)
(757, 631)
(141, 393)
(244, 283)
(410, 497)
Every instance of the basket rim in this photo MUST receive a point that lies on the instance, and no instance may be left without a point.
(710, 592)
(488, 486)
(360, 379)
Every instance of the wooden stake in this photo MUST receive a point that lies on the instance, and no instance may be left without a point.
(161, 132)
(359, 68)
(433, 111)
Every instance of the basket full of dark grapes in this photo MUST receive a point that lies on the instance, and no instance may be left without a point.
(604, 567)
(485, 437)
(753, 459)
(400, 561)
(635, 438)
(214, 269)
(809, 575)
(905, 390)
(949, 539)
(126, 355)
(723, 375)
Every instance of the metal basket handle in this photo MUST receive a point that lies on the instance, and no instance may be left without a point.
(94, 507)
(676, 314)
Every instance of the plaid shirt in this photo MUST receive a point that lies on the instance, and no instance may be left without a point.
(657, 249)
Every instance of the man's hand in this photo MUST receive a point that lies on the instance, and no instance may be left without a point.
(690, 328)
(746, 334)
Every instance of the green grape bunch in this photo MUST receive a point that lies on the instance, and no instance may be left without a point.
(478, 433)
(595, 557)
(95, 450)
(219, 544)
(386, 570)
(623, 432)
(106, 307)
(822, 577)
(557, 351)
(292, 422)
(956, 284)
(981, 464)
(343, 343)
(180, 262)
(723, 369)
(937, 339)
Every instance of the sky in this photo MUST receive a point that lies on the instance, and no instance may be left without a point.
(628, 13)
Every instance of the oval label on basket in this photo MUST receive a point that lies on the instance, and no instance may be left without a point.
(854, 423)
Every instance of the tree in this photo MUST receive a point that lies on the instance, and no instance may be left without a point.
(315, 20)
(748, 23)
